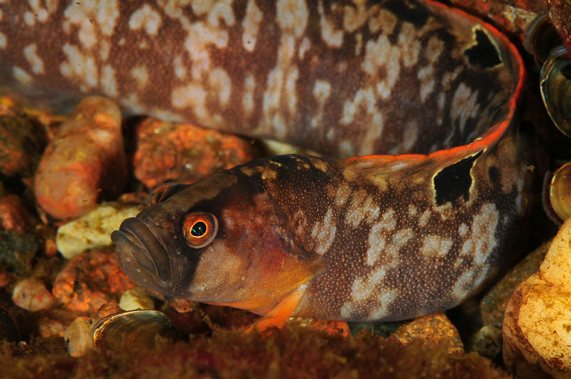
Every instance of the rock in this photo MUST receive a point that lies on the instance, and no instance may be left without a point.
(181, 305)
(488, 340)
(32, 295)
(78, 337)
(54, 322)
(92, 229)
(84, 162)
(14, 216)
(493, 304)
(89, 281)
(135, 298)
(184, 153)
(560, 14)
(21, 144)
(272, 147)
(433, 328)
(18, 252)
(537, 323)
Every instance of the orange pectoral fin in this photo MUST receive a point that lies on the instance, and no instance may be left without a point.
(278, 316)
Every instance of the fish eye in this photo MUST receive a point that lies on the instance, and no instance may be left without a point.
(199, 229)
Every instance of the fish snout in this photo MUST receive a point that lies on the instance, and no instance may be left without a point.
(144, 256)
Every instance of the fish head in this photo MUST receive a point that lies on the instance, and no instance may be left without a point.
(221, 241)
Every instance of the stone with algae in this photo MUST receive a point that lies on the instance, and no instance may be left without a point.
(537, 322)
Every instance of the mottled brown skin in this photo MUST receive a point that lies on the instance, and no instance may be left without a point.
(376, 237)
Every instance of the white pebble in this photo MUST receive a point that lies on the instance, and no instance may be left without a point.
(92, 229)
(78, 337)
(32, 295)
(135, 299)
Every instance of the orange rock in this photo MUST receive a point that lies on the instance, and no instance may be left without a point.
(89, 281)
(84, 162)
(32, 295)
(183, 152)
(54, 322)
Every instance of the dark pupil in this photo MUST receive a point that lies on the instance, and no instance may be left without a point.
(198, 229)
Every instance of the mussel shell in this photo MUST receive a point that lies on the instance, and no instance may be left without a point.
(556, 88)
(560, 192)
(540, 38)
(141, 329)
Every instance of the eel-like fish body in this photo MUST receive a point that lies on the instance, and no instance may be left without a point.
(421, 196)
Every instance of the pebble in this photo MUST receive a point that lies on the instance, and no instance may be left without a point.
(435, 328)
(54, 322)
(78, 337)
(32, 295)
(84, 162)
(17, 252)
(92, 229)
(135, 298)
(89, 281)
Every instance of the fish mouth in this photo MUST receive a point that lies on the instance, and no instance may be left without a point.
(143, 256)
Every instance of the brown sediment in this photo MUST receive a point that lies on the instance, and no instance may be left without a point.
(291, 352)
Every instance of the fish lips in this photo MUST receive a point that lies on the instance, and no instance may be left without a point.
(144, 256)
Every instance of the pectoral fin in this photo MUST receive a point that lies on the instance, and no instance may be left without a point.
(278, 316)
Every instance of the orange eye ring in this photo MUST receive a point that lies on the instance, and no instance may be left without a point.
(199, 229)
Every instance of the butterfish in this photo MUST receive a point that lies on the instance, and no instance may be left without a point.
(419, 197)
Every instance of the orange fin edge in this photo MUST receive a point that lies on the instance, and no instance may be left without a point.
(278, 316)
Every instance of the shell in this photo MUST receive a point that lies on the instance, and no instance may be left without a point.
(540, 38)
(560, 191)
(556, 88)
(145, 329)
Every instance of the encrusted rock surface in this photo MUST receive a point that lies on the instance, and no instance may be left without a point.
(537, 323)
(92, 229)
